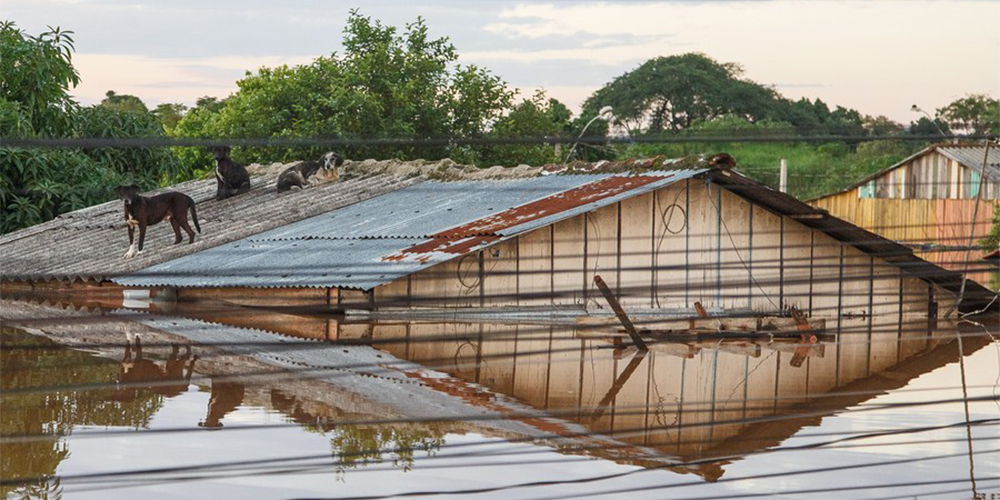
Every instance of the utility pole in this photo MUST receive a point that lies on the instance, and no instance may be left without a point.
(783, 182)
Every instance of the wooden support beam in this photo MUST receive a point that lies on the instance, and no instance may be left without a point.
(617, 308)
(616, 387)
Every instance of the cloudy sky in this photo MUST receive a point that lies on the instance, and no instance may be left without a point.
(879, 56)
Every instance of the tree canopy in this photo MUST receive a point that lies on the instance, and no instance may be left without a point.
(975, 114)
(38, 184)
(388, 83)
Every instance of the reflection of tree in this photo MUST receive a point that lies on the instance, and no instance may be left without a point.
(356, 446)
(56, 411)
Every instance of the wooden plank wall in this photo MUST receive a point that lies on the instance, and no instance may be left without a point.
(942, 222)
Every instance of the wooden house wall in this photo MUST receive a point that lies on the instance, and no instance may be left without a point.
(935, 223)
(689, 242)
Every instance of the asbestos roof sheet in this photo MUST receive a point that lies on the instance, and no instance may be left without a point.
(89, 243)
(379, 240)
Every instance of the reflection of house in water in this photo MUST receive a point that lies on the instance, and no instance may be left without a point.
(682, 404)
(681, 400)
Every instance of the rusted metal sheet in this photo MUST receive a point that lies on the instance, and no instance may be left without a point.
(487, 230)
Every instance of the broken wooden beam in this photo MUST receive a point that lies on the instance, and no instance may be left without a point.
(622, 317)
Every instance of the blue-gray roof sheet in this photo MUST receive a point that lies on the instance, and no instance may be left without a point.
(345, 248)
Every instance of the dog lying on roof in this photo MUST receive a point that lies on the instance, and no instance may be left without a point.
(298, 176)
(142, 211)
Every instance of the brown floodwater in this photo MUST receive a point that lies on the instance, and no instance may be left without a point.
(223, 402)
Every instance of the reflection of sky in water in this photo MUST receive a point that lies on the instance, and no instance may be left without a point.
(516, 461)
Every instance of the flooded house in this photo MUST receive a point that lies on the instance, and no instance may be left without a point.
(399, 311)
(667, 237)
(927, 202)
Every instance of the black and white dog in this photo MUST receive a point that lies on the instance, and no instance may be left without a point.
(232, 178)
(298, 176)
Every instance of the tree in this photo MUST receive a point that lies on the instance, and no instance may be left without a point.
(924, 126)
(123, 102)
(39, 184)
(37, 76)
(974, 114)
(388, 83)
(533, 117)
(672, 93)
(169, 114)
(881, 125)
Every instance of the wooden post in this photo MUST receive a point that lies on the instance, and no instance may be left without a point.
(783, 182)
(617, 308)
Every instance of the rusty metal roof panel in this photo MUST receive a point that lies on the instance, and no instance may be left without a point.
(427, 208)
(585, 199)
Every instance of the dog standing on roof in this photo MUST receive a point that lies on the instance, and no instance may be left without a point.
(142, 211)
(232, 178)
(298, 176)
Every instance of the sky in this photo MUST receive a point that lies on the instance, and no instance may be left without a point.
(877, 56)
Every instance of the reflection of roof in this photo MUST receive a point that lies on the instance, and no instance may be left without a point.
(969, 155)
(89, 243)
(381, 239)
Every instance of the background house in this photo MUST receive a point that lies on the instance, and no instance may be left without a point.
(926, 202)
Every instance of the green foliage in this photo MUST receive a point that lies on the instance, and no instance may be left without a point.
(812, 169)
(672, 93)
(39, 184)
(926, 126)
(123, 102)
(974, 114)
(37, 76)
(534, 117)
(992, 241)
(387, 84)
(355, 445)
(169, 114)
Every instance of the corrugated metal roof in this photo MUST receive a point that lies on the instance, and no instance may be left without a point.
(379, 240)
(427, 208)
(972, 157)
(345, 263)
(89, 243)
